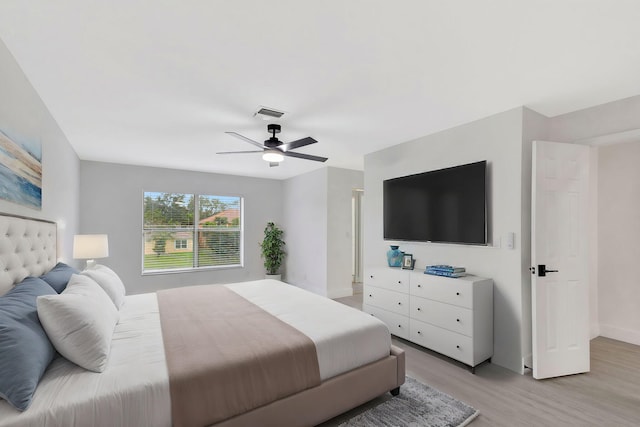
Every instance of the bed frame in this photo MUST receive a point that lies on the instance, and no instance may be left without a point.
(331, 398)
(28, 248)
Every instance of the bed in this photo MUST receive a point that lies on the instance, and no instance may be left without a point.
(356, 361)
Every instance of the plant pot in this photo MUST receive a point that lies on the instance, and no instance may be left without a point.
(273, 276)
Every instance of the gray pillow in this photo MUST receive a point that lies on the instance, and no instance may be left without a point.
(25, 348)
(59, 276)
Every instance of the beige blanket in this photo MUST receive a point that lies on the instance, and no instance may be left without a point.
(226, 356)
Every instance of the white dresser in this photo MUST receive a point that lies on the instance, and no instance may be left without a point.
(451, 316)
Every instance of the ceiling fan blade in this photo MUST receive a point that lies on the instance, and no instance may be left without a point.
(304, 156)
(274, 164)
(244, 138)
(297, 143)
(240, 152)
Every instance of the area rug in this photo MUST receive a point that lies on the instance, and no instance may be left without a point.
(416, 405)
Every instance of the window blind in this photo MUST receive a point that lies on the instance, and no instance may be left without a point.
(190, 231)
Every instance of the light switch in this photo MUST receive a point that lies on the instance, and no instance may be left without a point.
(511, 237)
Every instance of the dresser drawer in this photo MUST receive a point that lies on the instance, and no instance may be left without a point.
(394, 279)
(449, 343)
(447, 316)
(398, 324)
(389, 300)
(445, 289)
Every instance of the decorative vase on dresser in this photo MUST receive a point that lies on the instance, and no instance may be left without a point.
(452, 316)
(394, 256)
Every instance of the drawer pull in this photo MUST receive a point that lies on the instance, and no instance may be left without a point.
(399, 326)
(399, 303)
(371, 296)
(458, 293)
(400, 281)
(457, 346)
(371, 276)
(419, 333)
(419, 286)
(457, 320)
(419, 309)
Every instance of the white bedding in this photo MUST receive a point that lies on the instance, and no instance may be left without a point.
(134, 388)
(132, 391)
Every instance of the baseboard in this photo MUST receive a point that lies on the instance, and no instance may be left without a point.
(620, 334)
(340, 293)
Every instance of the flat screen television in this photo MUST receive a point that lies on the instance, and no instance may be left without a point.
(445, 205)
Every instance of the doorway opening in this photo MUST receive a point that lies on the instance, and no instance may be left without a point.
(356, 239)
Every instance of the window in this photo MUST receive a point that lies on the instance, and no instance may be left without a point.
(191, 231)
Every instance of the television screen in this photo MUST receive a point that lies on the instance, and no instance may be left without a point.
(445, 205)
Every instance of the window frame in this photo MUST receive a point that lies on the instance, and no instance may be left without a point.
(176, 246)
(194, 229)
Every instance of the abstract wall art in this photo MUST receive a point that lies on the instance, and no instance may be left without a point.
(21, 171)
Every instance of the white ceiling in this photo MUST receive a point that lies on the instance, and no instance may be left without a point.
(158, 83)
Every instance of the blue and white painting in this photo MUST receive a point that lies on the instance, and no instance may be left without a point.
(21, 171)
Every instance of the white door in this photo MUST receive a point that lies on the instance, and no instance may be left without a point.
(560, 289)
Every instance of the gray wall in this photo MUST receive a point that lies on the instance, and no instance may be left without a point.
(111, 203)
(612, 117)
(23, 113)
(613, 180)
(305, 226)
(535, 127)
(341, 183)
(317, 223)
(497, 139)
(505, 141)
(619, 241)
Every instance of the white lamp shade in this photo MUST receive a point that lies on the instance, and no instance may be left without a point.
(90, 246)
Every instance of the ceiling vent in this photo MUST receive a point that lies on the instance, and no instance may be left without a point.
(265, 113)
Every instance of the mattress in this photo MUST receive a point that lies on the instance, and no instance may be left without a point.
(134, 388)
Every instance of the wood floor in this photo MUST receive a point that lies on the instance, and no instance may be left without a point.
(609, 395)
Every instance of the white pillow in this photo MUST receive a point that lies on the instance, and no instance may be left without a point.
(80, 322)
(109, 281)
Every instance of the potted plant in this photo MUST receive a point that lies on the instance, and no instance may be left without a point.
(272, 250)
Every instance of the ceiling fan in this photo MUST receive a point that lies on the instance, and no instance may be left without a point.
(274, 150)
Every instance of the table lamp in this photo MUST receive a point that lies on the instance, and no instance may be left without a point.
(89, 247)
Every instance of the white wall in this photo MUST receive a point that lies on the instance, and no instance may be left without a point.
(305, 227)
(591, 123)
(594, 236)
(535, 127)
(23, 113)
(317, 224)
(341, 183)
(497, 139)
(111, 203)
(605, 119)
(619, 241)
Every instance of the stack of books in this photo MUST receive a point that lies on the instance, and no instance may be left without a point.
(445, 270)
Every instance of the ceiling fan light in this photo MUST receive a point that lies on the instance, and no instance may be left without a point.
(272, 156)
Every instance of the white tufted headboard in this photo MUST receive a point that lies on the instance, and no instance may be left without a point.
(27, 248)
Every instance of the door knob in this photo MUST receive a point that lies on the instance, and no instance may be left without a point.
(542, 270)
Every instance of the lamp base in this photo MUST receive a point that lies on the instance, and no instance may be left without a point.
(91, 263)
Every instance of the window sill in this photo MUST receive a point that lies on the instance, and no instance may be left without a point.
(190, 270)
